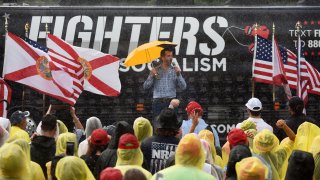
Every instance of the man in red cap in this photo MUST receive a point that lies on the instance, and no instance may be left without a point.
(97, 144)
(195, 123)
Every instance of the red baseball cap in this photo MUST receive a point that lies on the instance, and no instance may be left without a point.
(128, 141)
(237, 136)
(111, 174)
(99, 137)
(193, 106)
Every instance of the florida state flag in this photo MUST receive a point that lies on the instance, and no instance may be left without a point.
(101, 71)
(31, 65)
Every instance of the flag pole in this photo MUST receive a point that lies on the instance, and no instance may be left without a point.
(255, 41)
(298, 28)
(273, 85)
(43, 95)
(26, 28)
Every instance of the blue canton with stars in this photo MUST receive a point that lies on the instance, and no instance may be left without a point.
(36, 44)
(264, 49)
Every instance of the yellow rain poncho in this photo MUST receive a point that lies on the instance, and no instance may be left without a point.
(190, 159)
(305, 136)
(13, 163)
(62, 127)
(130, 155)
(209, 137)
(61, 145)
(73, 168)
(315, 147)
(266, 145)
(316, 173)
(18, 133)
(36, 173)
(142, 128)
(251, 168)
(249, 126)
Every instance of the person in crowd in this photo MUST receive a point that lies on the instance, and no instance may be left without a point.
(251, 168)
(142, 128)
(296, 118)
(130, 155)
(301, 166)
(67, 145)
(43, 146)
(14, 163)
(18, 126)
(134, 174)
(189, 161)
(195, 123)
(91, 124)
(36, 170)
(316, 173)
(254, 109)
(98, 142)
(249, 127)
(5, 127)
(235, 137)
(266, 145)
(73, 168)
(109, 156)
(306, 134)
(163, 142)
(164, 80)
(210, 138)
(237, 153)
(111, 174)
(209, 166)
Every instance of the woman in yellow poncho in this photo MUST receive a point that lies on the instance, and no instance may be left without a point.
(14, 163)
(209, 137)
(142, 128)
(73, 168)
(266, 145)
(189, 161)
(130, 155)
(36, 173)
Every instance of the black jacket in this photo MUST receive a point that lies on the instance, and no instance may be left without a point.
(108, 157)
(42, 151)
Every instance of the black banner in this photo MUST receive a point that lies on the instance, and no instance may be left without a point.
(213, 51)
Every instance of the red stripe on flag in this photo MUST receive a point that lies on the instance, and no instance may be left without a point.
(102, 61)
(22, 73)
(66, 47)
(24, 46)
(101, 86)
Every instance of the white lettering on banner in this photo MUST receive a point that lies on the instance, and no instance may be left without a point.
(223, 128)
(185, 32)
(204, 65)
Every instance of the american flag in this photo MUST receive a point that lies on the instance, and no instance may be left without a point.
(160, 153)
(74, 70)
(262, 70)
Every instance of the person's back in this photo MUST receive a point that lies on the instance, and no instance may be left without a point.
(158, 148)
(108, 157)
(43, 147)
(189, 159)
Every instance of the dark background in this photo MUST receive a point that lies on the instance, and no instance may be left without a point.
(222, 94)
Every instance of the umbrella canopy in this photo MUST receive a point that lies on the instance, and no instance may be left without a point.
(146, 52)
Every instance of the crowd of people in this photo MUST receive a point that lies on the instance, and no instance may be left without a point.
(164, 149)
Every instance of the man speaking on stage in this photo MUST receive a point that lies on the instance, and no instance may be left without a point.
(164, 78)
